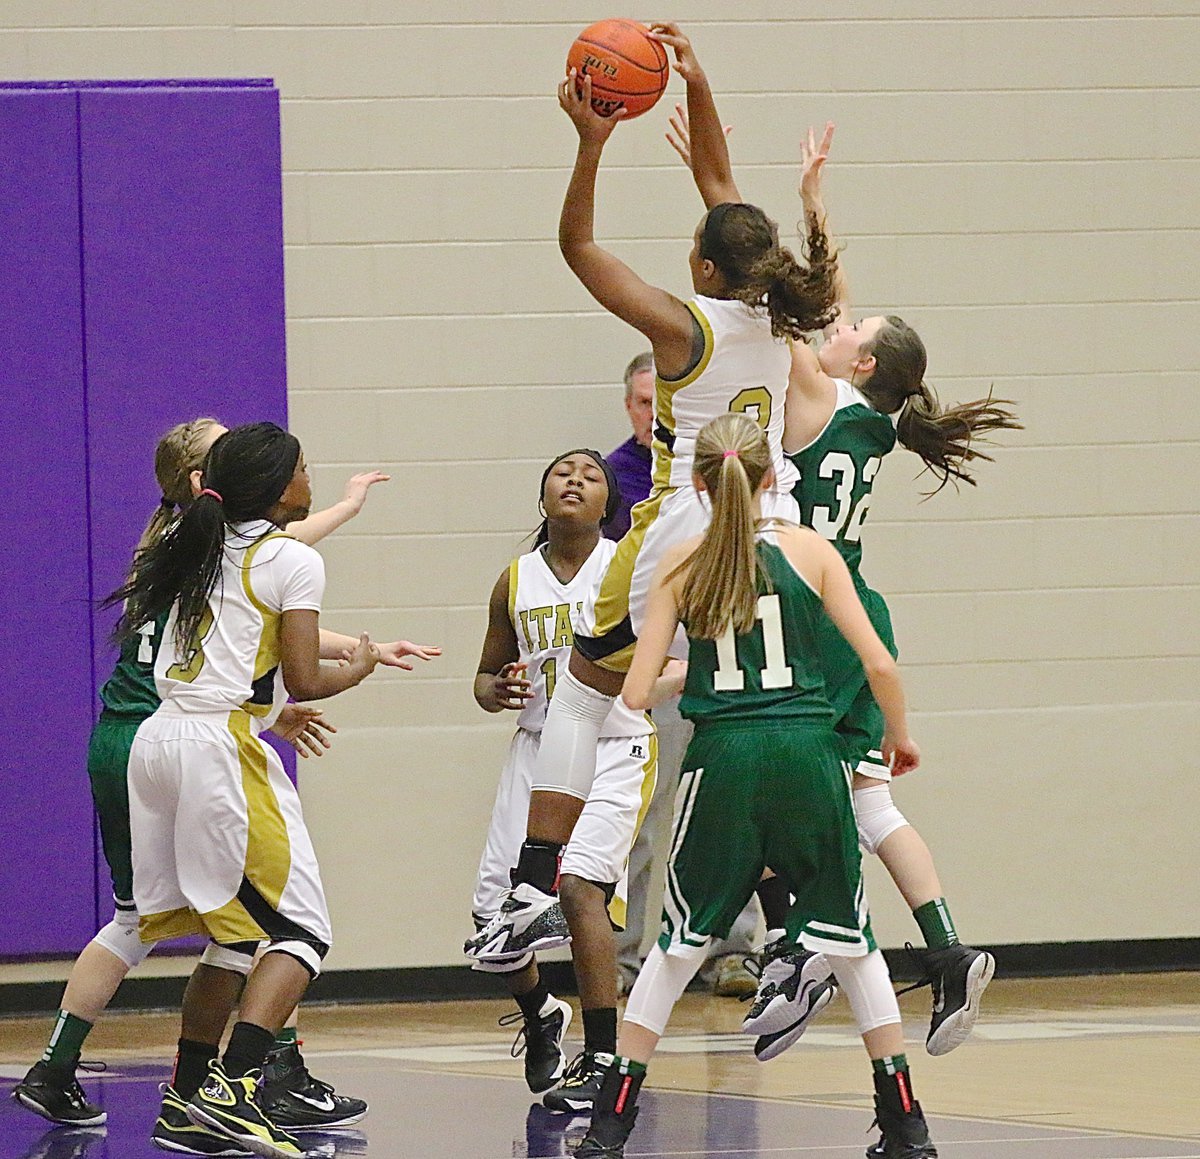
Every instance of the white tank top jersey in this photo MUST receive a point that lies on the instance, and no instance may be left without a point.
(263, 574)
(543, 612)
(744, 368)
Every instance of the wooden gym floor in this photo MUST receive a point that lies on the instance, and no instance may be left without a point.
(1071, 1068)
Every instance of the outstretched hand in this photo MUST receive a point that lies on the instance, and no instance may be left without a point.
(681, 139)
(575, 99)
(393, 655)
(358, 485)
(304, 729)
(812, 161)
(669, 33)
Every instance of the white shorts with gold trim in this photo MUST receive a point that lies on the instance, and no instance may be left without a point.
(218, 835)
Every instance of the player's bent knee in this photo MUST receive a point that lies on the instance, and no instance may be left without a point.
(120, 938)
(237, 958)
(877, 816)
(309, 953)
(868, 988)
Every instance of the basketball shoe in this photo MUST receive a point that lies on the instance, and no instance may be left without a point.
(174, 1131)
(527, 920)
(785, 988)
(959, 975)
(226, 1105)
(54, 1093)
(905, 1135)
(540, 1040)
(294, 1100)
(769, 1046)
(581, 1084)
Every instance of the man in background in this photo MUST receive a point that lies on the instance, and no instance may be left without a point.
(725, 970)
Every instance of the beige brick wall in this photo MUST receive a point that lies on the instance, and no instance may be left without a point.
(1018, 180)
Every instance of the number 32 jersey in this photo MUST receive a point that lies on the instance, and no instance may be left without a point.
(543, 611)
(837, 470)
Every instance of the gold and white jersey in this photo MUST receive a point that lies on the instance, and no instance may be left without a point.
(235, 664)
(744, 368)
(543, 612)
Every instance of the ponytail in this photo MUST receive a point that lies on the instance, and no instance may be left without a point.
(179, 452)
(743, 243)
(942, 437)
(721, 586)
(246, 472)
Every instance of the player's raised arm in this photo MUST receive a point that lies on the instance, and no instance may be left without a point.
(313, 528)
(816, 218)
(660, 316)
(708, 148)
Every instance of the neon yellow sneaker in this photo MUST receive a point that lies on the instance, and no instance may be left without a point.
(226, 1105)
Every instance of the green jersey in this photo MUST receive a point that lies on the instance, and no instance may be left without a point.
(771, 670)
(130, 690)
(837, 470)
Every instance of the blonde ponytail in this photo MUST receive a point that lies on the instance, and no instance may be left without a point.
(721, 587)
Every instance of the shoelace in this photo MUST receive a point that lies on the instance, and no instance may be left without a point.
(578, 1069)
(926, 979)
(92, 1066)
(520, 1042)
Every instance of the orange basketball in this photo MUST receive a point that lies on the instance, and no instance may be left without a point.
(628, 69)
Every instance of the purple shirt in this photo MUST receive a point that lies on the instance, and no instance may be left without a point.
(631, 465)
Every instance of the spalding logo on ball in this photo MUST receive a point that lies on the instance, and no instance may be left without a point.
(628, 69)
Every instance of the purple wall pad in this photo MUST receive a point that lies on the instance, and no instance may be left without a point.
(183, 287)
(45, 808)
(172, 195)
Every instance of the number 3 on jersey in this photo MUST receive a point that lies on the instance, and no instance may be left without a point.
(729, 676)
(844, 522)
(755, 403)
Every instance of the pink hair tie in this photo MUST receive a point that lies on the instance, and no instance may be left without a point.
(210, 491)
(730, 455)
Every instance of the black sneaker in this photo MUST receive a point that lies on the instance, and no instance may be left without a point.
(295, 1101)
(540, 1040)
(174, 1131)
(54, 1093)
(580, 1085)
(606, 1139)
(905, 1136)
(959, 975)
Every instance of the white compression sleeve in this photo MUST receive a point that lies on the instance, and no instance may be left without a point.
(868, 988)
(566, 760)
(120, 938)
(663, 978)
(877, 816)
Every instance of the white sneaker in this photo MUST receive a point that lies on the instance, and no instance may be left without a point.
(528, 920)
(785, 990)
(817, 997)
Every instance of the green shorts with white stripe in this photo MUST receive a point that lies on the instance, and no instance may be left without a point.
(756, 794)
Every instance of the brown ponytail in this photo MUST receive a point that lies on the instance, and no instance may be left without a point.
(743, 243)
(721, 588)
(943, 437)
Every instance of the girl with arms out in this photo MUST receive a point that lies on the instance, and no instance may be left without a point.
(219, 843)
(763, 781)
(129, 697)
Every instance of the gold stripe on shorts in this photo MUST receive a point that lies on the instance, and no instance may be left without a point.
(618, 907)
(612, 601)
(171, 923)
(268, 850)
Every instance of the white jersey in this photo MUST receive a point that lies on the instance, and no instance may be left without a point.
(263, 574)
(543, 611)
(743, 368)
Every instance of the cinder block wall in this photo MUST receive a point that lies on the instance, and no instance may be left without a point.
(1020, 187)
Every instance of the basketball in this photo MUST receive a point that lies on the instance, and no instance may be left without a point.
(628, 69)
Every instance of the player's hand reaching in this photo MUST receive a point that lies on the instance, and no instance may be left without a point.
(509, 688)
(304, 729)
(357, 487)
(901, 756)
(669, 33)
(812, 161)
(681, 139)
(575, 99)
(393, 655)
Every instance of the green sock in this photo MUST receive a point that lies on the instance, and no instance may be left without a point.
(287, 1037)
(624, 1065)
(890, 1064)
(937, 926)
(66, 1040)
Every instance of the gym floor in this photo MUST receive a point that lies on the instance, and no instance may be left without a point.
(1066, 1068)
